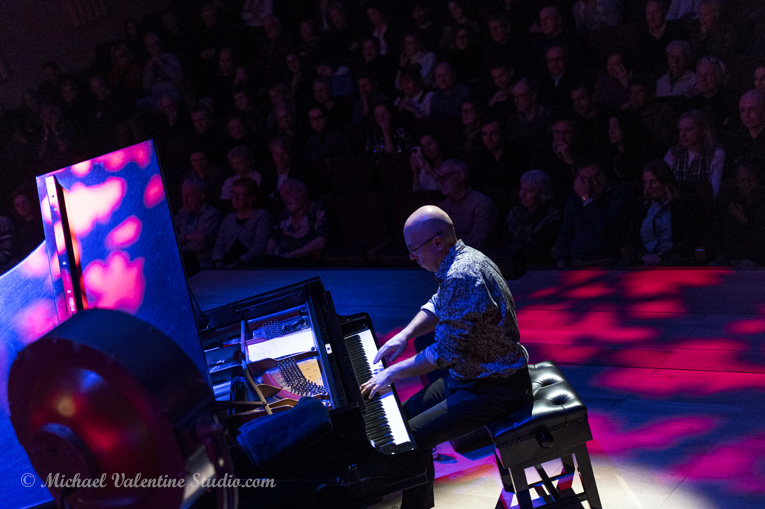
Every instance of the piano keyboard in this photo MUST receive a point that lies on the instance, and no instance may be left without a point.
(384, 421)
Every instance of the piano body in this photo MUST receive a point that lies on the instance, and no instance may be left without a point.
(110, 244)
(297, 346)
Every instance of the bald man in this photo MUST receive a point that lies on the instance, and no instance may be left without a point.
(476, 339)
(747, 143)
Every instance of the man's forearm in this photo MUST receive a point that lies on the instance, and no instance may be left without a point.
(422, 323)
(413, 366)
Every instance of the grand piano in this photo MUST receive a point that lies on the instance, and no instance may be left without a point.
(109, 244)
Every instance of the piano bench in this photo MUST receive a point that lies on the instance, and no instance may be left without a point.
(554, 426)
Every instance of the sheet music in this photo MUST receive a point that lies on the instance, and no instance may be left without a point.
(289, 344)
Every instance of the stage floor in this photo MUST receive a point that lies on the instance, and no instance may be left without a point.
(671, 365)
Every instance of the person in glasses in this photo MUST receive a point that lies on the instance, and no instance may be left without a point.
(476, 339)
(474, 213)
(595, 221)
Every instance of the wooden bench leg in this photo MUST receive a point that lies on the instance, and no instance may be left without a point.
(587, 476)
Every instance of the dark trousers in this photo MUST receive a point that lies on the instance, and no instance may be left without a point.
(448, 409)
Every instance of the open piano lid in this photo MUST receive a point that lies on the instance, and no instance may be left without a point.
(109, 244)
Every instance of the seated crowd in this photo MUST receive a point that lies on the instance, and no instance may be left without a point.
(559, 133)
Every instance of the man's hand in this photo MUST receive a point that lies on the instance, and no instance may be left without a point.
(651, 260)
(378, 383)
(581, 189)
(392, 348)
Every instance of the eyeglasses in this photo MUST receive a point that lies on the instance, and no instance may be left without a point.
(413, 252)
(441, 178)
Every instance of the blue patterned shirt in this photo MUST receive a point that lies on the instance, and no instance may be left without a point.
(477, 333)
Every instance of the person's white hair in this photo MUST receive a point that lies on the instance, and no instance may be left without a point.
(541, 181)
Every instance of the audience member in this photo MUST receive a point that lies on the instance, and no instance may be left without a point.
(125, 76)
(712, 36)
(630, 148)
(368, 87)
(6, 244)
(414, 100)
(196, 223)
(341, 40)
(591, 119)
(747, 143)
(679, 79)
(449, 94)
(241, 161)
(386, 33)
(556, 85)
(714, 99)
(697, 156)
(654, 38)
(470, 119)
(324, 141)
(595, 222)
(162, 73)
(499, 162)
(759, 78)
(530, 126)
(683, 9)
(460, 18)
(658, 118)
(474, 214)
(28, 230)
(429, 29)
(501, 96)
(413, 54)
(386, 134)
(244, 233)
(553, 33)
(425, 161)
(301, 234)
(207, 135)
(502, 45)
(283, 165)
(592, 15)
(381, 66)
(613, 88)
(666, 225)
(299, 78)
(738, 235)
(533, 224)
(212, 176)
(464, 53)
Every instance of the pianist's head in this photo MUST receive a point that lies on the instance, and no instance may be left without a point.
(429, 235)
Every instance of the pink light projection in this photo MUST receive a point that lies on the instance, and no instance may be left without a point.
(34, 320)
(734, 463)
(139, 154)
(664, 384)
(657, 283)
(82, 169)
(117, 283)
(602, 322)
(87, 205)
(36, 263)
(155, 192)
(746, 327)
(124, 234)
(654, 435)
